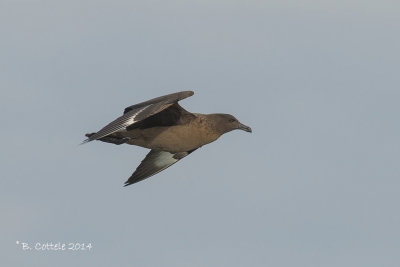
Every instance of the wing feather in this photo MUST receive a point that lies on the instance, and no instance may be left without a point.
(155, 162)
(137, 113)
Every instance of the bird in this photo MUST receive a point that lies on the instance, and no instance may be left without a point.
(168, 130)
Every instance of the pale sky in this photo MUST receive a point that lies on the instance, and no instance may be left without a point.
(315, 184)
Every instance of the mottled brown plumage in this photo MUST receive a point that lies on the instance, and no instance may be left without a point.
(166, 128)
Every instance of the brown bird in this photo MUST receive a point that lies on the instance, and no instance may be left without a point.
(163, 126)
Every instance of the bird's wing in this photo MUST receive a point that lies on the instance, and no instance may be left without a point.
(171, 98)
(139, 112)
(154, 162)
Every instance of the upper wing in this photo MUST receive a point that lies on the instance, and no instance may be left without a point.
(154, 162)
(175, 97)
(139, 112)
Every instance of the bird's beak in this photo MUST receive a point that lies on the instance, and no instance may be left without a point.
(244, 128)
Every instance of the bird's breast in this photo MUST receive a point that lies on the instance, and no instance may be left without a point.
(182, 138)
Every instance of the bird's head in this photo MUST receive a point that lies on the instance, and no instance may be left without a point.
(226, 123)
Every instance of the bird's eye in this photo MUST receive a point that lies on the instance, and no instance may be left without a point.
(232, 120)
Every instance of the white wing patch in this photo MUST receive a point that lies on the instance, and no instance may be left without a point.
(131, 120)
(164, 159)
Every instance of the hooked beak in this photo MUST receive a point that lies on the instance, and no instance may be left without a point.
(244, 128)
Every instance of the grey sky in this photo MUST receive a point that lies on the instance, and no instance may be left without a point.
(315, 184)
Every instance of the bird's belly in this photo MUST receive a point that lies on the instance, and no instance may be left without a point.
(173, 138)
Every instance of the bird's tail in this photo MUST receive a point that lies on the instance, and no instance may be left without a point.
(108, 139)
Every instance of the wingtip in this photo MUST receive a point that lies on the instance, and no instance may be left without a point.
(187, 93)
(85, 141)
